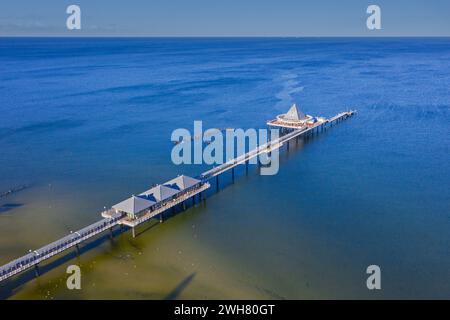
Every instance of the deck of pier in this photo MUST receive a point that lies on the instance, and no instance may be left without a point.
(35, 257)
(271, 145)
(163, 206)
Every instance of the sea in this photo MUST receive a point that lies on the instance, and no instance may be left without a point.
(87, 122)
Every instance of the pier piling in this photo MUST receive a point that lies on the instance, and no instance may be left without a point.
(36, 270)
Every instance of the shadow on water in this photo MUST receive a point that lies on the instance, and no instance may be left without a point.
(14, 190)
(147, 228)
(9, 206)
(13, 284)
(180, 287)
(170, 213)
(285, 152)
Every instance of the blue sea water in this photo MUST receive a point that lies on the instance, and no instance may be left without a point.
(85, 122)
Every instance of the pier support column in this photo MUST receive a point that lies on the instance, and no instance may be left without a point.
(36, 270)
(217, 182)
(133, 232)
(287, 145)
(232, 174)
(111, 235)
(246, 167)
(161, 218)
(184, 205)
(77, 247)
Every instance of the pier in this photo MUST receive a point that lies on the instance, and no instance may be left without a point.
(154, 202)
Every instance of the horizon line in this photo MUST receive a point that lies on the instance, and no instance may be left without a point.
(223, 36)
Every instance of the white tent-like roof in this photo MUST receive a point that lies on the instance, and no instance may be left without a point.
(134, 205)
(182, 182)
(159, 193)
(294, 114)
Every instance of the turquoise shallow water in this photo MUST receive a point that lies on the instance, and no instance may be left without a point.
(87, 122)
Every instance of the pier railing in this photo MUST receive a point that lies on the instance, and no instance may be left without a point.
(48, 251)
(269, 146)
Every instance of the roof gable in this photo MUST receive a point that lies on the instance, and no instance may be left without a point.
(182, 182)
(159, 193)
(134, 205)
(294, 114)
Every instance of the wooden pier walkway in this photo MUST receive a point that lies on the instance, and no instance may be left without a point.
(113, 218)
(35, 257)
(271, 145)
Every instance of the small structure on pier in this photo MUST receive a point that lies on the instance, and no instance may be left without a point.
(182, 182)
(133, 205)
(156, 200)
(159, 193)
(294, 119)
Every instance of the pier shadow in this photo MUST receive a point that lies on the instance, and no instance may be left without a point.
(180, 287)
(14, 190)
(285, 152)
(13, 284)
(9, 206)
(170, 213)
(151, 225)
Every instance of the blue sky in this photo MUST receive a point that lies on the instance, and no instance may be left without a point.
(225, 18)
